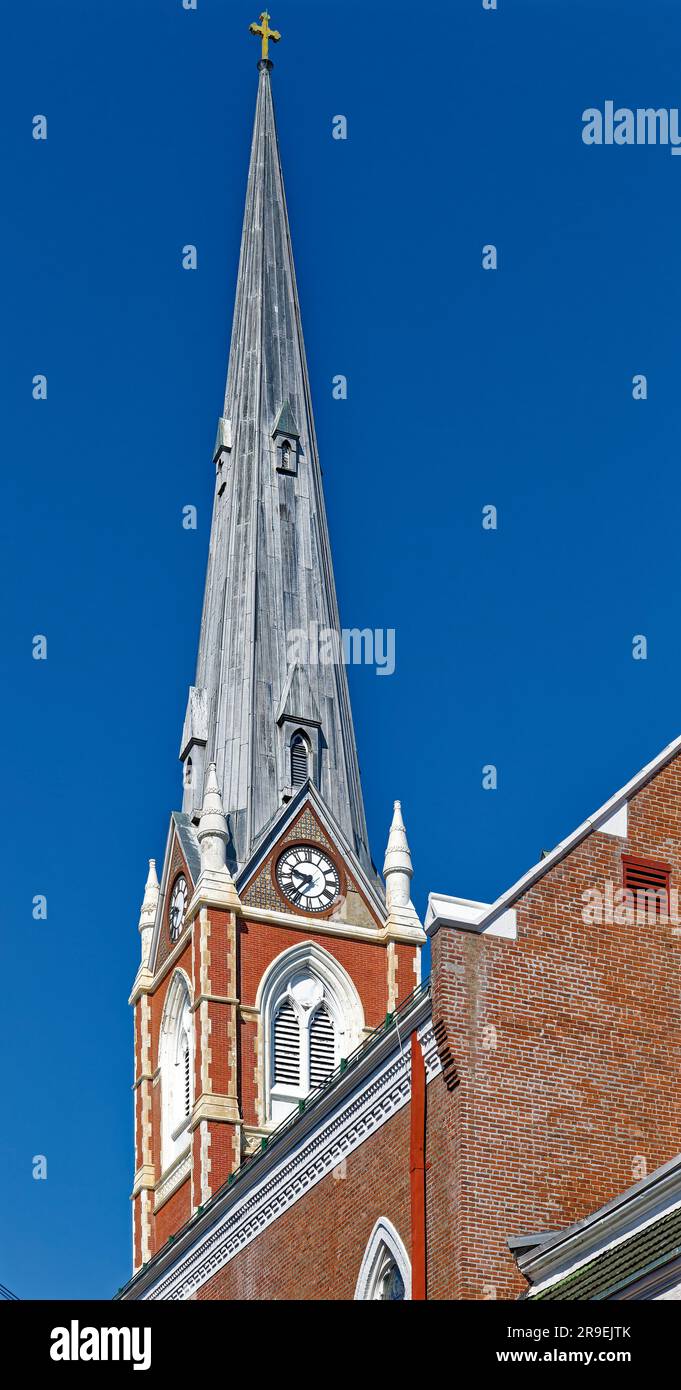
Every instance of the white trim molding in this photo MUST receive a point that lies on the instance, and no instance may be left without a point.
(176, 1065)
(173, 1178)
(384, 1251)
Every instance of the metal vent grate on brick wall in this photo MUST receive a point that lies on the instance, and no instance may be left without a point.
(322, 1048)
(647, 877)
(287, 1046)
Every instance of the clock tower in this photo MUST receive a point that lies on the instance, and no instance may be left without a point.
(270, 947)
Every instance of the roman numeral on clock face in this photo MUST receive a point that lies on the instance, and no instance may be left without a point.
(308, 878)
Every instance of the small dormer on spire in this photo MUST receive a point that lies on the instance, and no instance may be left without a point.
(286, 437)
(148, 910)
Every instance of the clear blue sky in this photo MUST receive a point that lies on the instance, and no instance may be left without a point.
(465, 388)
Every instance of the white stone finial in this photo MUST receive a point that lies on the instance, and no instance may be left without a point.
(215, 887)
(397, 866)
(148, 910)
(212, 832)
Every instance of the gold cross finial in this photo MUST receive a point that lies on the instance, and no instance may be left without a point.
(263, 29)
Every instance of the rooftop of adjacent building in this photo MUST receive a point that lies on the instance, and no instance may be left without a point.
(629, 1248)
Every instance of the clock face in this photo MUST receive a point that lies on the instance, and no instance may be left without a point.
(308, 878)
(178, 904)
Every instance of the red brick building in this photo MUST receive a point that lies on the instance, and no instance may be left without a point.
(530, 1081)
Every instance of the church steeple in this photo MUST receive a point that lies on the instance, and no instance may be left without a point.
(269, 707)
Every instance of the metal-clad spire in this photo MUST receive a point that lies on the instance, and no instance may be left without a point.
(270, 595)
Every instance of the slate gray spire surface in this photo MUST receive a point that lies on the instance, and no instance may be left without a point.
(270, 592)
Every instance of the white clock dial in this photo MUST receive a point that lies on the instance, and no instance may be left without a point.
(308, 878)
(178, 905)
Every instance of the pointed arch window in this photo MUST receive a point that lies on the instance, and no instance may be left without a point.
(385, 1272)
(286, 454)
(305, 1044)
(300, 760)
(312, 1017)
(176, 1062)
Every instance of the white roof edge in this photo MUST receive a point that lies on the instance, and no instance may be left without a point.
(557, 853)
(631, 1211)
(465, 910)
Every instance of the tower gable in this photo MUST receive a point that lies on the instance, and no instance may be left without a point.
(359, 902)
(182, 858)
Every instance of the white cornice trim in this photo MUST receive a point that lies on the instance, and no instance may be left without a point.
(215, 888)
(464, 914)
(331, 926)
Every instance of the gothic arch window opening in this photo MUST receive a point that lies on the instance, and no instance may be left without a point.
(176, 1057)
(312, 1017)
(385, 1272)
(286, 454)
(300, 760)
(305, 1043)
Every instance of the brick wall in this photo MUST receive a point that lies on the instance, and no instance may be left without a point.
(567, 1044)
(314, 1251)
(260, 944)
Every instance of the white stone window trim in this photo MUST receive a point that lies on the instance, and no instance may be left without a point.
(173, 1177)
(176, 1029)
(310, 978)
(384, 1248)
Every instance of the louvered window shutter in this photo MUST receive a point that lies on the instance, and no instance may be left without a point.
(286, 1046)
(322, 1048)
(298, 762)
(187, 1080)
